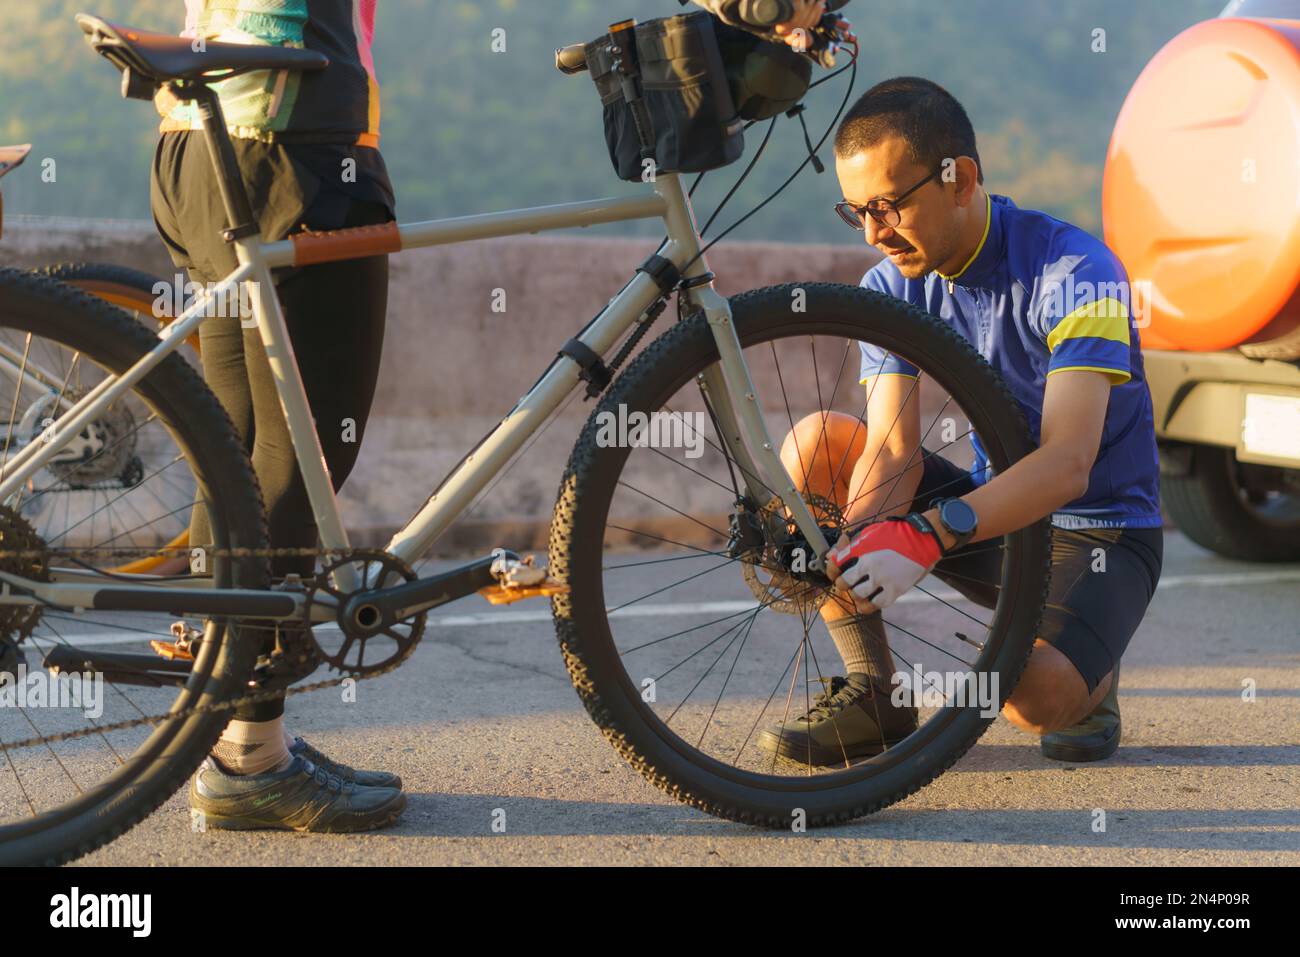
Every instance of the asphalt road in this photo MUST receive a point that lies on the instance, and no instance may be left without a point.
(485, 729)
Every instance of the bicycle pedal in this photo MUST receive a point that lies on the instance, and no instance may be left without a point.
(508, 594)
(182, 648)
(518, 579)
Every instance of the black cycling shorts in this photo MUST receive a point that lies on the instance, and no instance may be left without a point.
(1090, 615)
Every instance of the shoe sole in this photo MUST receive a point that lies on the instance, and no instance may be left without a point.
(372, 821)
(820, 756)
(1078, 753)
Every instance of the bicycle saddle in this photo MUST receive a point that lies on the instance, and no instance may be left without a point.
(160, 57)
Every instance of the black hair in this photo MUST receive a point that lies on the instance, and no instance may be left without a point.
(929, 119)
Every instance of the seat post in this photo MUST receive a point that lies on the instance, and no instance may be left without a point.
(239, 214)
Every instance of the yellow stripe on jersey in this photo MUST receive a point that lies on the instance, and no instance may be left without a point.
(1102, 319)
(1115, 376)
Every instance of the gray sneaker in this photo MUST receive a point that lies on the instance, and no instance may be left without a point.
(302, 797)
(370, 779)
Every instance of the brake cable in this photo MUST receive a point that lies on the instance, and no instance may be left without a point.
(853, 67)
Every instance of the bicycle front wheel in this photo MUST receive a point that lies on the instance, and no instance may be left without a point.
(88, 753)
(685, 639)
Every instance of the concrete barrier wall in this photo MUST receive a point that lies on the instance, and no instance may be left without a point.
(453, 365)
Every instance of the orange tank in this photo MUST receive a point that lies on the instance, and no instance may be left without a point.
(1201, 194)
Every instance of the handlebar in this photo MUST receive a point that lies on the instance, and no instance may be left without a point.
(825, 39)
(571, 59)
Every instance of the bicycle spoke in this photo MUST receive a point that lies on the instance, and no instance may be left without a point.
(925, 452)
(661, 561)
(929, 644)
(785, 717)
(687, 631)
(18, 779)
(738, 629)
(178, 458)
(959, 611)
(775, 688)
(13, 410)
(707, 478)
(104, 451)
(749, 626)
(812, 652)
(729, 459)
(677, 511)
(660, 591)
(175, 511)
(102, 736)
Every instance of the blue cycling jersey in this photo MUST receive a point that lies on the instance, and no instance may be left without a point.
(1039, 296)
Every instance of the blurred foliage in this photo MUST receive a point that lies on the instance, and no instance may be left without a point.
(467, 129)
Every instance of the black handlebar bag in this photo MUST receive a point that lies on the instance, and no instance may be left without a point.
(685, 99)
(765, 77)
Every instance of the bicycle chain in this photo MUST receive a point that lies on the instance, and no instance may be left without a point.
(227, 705)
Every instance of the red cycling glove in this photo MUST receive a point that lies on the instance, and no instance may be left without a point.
(885, 559)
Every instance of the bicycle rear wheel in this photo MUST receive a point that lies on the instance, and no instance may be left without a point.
(678, 656)
(69, 780)
(151, 301)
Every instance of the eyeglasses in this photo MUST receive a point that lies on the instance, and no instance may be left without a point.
(883, 211)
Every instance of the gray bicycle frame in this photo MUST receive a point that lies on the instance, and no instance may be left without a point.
(727, 384)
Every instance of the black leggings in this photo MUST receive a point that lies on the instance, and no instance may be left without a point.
(335, 314)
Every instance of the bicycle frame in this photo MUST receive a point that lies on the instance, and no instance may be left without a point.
(728, 385)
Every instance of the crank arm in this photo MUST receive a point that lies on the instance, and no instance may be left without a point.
(149, 671)
(371, 611)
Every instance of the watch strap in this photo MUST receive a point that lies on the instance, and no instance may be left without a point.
(922, 524)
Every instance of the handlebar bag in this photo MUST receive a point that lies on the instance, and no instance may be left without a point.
(693, 122)
(765, 77)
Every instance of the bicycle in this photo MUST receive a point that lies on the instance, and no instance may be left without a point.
(368, 608)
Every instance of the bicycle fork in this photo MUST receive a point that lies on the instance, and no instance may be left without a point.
(741, 427)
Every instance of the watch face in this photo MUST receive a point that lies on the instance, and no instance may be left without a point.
(957, 516)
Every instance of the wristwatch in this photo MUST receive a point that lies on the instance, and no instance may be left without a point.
(958, 518)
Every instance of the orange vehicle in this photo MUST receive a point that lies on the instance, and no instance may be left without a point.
(1201, 201)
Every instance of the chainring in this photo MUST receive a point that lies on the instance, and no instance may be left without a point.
(10, 655)
(350, 654)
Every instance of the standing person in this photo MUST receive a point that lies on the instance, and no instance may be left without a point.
(1004, 278)
(308, 149)
(307, 146)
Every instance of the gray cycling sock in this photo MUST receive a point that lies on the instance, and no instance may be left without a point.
(861, 642)
(253, 747)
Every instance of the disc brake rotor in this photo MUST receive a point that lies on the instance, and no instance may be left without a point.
(770, 574)
(103, 451)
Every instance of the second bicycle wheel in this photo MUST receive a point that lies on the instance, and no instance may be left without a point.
(686, 636)
(95, 730)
